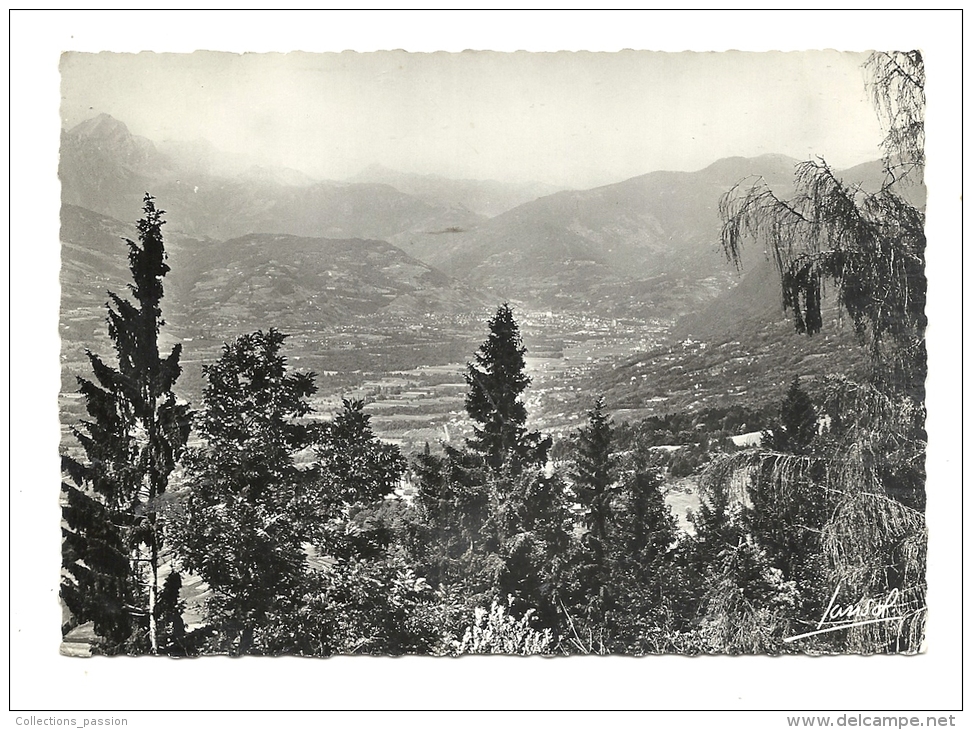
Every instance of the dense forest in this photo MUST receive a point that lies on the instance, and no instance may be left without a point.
(314, 537)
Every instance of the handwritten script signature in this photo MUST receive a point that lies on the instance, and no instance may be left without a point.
(862, 612)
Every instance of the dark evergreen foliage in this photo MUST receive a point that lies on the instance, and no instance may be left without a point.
(494, 401)
(490, 524)
(797, 426)
(98, 586)
(355, 464)
(594, 488)
(172, 626)
(114, 533)
(641, 561)
(595, 475)
(532, 534)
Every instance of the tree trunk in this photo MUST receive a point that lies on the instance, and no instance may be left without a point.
(154, 592)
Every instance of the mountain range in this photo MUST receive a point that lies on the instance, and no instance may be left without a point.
(254, 247)
(256, 281)
(644, 247)
(647, 246)
(106, 169)
(484, 197)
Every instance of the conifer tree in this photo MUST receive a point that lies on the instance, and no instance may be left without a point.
(494, 401)
(531, 524)
(494, 524)
(113, 533)
(770, 516)
(645, 531)
(595, 475)
(797, 425)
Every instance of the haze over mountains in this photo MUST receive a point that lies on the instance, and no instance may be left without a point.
(647, 246)
(484, 197)
(106, 169)
(256, 247)
(273, 278)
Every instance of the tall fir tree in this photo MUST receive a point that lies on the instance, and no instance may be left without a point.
(595, 475)
(496, 382)
(113, 534)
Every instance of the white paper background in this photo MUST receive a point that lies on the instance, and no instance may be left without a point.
(41, 680)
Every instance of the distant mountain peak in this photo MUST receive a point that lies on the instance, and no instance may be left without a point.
(102, 125)
(481, 196)
(770, 158)
(771, 166)
(104, 132)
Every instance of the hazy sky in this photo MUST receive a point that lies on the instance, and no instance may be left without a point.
(573, 119)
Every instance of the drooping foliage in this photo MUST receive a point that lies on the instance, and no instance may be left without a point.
(857, 493)
(97, 583)
(871, 246)
(114, 532)
(897, 85)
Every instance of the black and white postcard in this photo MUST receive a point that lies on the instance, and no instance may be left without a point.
(558, 355)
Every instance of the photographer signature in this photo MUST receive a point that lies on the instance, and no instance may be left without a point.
(862, 612)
